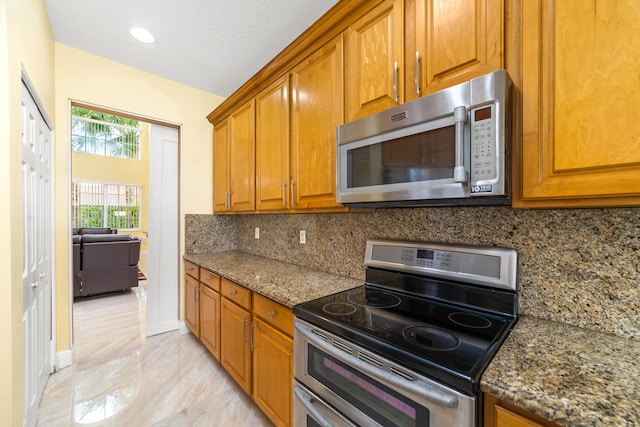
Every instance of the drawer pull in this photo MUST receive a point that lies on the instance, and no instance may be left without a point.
(232, 293)
(271, 314)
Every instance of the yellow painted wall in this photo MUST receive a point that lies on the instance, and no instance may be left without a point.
(89, 79)
(26, 42)
(113, 170)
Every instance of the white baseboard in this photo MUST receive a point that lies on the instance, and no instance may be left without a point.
(63, 359)
(183, 328)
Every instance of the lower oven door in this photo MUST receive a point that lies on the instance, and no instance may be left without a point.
(310, 411)
(370, 390)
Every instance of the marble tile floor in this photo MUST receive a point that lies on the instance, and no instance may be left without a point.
(120, 378)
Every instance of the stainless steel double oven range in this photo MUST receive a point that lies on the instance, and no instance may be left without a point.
(408, 347)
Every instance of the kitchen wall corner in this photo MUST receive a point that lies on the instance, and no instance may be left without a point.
(209, 233)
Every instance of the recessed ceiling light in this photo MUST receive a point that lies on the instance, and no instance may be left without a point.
(142, 35)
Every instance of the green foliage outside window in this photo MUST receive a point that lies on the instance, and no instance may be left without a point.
(94, 132)
(120, 217)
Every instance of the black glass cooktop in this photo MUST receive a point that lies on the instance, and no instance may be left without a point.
(447, 341)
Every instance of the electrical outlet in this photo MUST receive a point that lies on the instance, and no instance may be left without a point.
(303, 237)
(257, 233)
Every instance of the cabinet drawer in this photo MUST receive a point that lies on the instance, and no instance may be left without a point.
(191, 269)
(209, 279)
(273, 313)
(236, 293)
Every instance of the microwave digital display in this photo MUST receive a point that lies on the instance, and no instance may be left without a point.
(482, 114)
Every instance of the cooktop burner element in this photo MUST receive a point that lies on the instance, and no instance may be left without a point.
(375, 299)
(431, 338)
(339, 308)
(469, 320)
(441, 310)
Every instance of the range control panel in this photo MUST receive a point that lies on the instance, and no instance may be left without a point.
(474, 264)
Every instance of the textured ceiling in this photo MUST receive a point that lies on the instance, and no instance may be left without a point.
(213, 45)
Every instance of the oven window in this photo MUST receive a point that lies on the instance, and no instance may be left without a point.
(311, 422)
(379, 402)
(420, 157)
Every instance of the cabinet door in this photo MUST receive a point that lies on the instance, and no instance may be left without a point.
(242, 158)
(580, 131)
(498, 413)
(272, 146)
(317, 94)
(210, 320)
(272, 372)
(375, 60)
(221, 167)
(455, 40)
(235, 354)
(191, 304)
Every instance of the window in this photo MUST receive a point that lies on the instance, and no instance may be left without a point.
(97, 204)
(94, 132)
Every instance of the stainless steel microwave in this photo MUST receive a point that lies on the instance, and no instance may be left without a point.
(447, 148)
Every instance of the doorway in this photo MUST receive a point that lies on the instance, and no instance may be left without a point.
(160, 231)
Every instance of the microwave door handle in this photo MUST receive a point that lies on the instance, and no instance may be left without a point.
(459, 117)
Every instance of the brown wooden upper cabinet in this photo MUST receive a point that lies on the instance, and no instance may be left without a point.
(579, 84)
(234, 161)
(296, 119)
(317, 87)
(448, 42)
(272, 146)
(375, 60)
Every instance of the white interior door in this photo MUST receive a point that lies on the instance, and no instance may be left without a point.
(163, 250)
(37, 249)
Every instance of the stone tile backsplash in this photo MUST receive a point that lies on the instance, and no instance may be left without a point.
(576, 266)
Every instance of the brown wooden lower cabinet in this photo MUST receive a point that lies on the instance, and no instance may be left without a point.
(251, 336)
(192, 301)
(210, 320)
(235, 352)
(498, 413)
(272, 343)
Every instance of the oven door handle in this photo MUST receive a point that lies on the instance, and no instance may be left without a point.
(307, 402)
(418, 387)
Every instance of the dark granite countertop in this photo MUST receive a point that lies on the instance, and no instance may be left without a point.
(569, 375)
(282, 282)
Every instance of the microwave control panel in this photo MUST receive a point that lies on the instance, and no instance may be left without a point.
(483, 148)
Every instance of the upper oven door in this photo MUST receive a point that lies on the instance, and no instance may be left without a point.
(371, 390)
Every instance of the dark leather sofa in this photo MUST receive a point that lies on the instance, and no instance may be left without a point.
(104, 261)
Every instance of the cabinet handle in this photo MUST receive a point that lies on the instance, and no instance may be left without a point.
(284, 194)
(271, 314)
(459, 117)
(228, 200)
(253, 342)
(244, 330)
(395, 81)
(232, 293)
(293, 199)
(417, 72)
